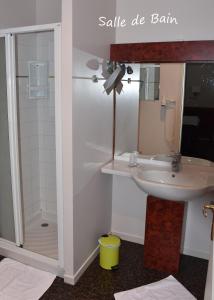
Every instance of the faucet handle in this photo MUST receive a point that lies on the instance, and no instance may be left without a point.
(176, 156)
(179, 155)
(208, 206)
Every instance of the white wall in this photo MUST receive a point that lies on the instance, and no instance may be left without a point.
(128, 210)
(29, 12)
(87, 35)
(195, 20)
(193, 25)
(48, 11)
(92, 145)
(92, 129)
(17, 13)
(86, 135)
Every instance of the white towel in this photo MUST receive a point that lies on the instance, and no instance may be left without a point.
(22, 282)
(166, 289)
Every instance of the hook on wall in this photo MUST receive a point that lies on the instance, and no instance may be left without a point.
(95, 78)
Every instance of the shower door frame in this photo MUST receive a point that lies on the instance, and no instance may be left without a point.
(13, 135)
(9, 35)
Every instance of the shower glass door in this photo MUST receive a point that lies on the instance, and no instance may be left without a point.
(30, 156)
(35, 99)
(7, 229)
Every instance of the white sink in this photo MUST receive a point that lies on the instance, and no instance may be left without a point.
(192, 181)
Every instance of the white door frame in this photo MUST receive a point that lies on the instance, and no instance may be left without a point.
(13, 137)
(13, 132)
(58, 132)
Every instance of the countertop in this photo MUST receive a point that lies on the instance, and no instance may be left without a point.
(120, 168)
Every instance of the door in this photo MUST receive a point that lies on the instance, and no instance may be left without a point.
(209, 290)
(12, 151)
(7, 229)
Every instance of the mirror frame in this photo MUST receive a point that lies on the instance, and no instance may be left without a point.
(160, 52)
(163, 52)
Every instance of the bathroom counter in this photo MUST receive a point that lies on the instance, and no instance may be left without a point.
(120, 168)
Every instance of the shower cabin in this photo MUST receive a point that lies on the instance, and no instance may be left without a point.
(30, 139)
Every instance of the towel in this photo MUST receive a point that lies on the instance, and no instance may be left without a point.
(22, 282)
(166, 289)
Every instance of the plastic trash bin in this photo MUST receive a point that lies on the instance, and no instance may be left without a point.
(109, 251)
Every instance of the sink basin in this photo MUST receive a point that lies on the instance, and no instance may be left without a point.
(191, 182)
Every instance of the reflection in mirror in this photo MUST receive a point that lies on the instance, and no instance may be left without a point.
(149, 81)
(150, 127)
(198, 115)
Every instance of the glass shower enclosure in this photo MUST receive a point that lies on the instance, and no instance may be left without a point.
(30, 152)
(7, 228)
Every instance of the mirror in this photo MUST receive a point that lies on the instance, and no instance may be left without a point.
(198, 113)
(148, 111)
(149, 82)
(161, 110)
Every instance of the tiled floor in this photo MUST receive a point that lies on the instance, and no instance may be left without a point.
(42, 240)
(99, 284)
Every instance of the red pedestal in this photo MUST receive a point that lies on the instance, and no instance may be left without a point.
(164, 220)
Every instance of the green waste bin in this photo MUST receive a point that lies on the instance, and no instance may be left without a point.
(109, 251)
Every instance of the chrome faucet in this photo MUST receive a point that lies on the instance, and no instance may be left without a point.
(176, 160)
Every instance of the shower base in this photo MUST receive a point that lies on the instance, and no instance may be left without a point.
(41, 237)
